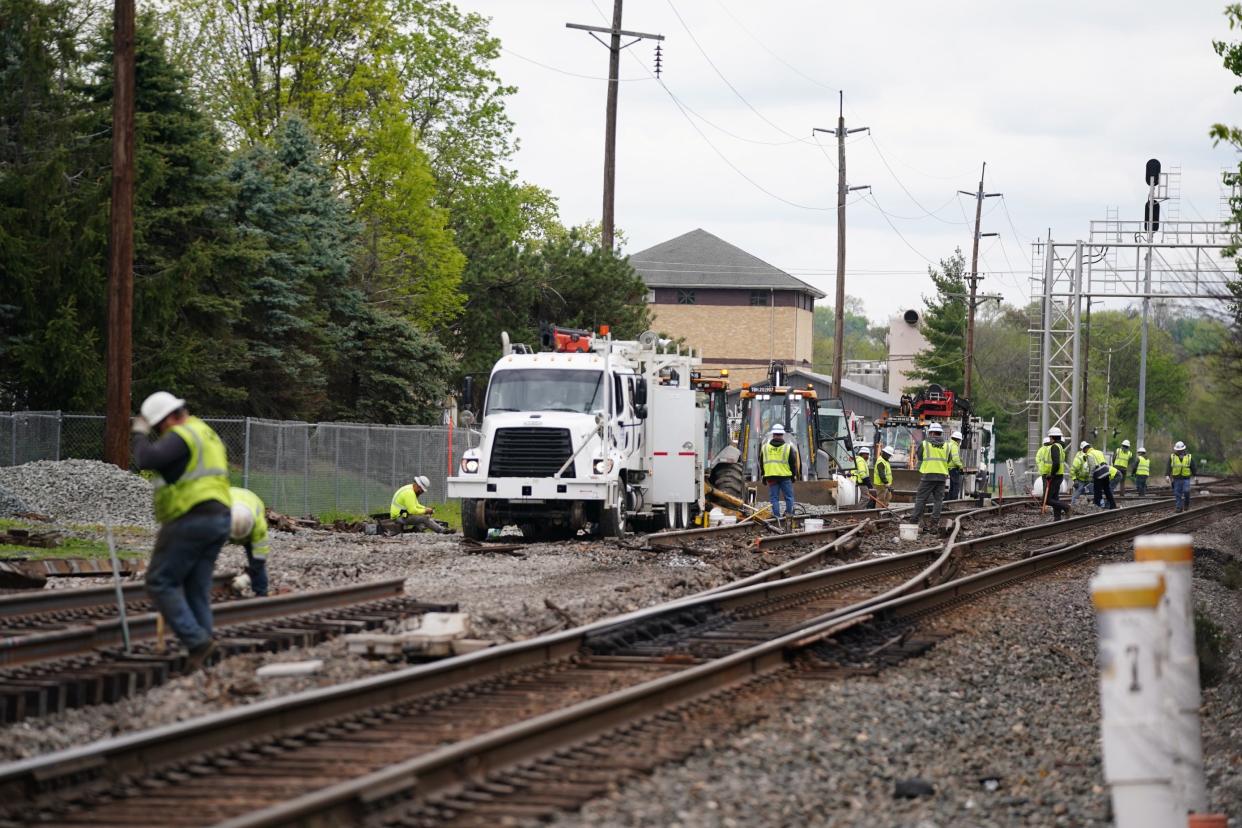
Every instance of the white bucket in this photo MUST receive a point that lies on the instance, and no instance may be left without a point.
(728, 520)
(908, 531)
(812, 524)
(714, 517)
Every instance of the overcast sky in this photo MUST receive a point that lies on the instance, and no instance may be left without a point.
(1065, 100)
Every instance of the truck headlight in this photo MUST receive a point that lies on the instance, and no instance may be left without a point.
(602, 465)
(470, 465)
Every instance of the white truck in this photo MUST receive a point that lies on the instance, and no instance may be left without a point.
(594, 434)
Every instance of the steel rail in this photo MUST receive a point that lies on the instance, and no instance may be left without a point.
(378, 793)
(40, 602)
(84, 638)
(145, 751)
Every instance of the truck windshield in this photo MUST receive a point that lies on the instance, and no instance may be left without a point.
(542, 389)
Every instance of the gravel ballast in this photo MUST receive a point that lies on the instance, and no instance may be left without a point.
(11, 504)
(1001, 720)
(81, 491)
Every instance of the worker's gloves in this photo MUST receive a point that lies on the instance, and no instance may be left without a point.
(139, 425)
(404, 513)
(1168, 480)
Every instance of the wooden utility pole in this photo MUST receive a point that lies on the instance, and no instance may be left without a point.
(979, 196)
(614, 46)
(843, 189)
(121, 239)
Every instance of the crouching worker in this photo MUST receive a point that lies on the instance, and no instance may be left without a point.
(249, 528)
(411, 514)
(189, 467)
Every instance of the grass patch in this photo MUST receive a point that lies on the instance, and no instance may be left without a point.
(1211, 646)
(450, 513)
(332, 516)
(1231, 576)
(70, 548)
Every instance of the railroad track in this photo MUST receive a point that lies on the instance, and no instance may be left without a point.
(49, 671)
(382, 746)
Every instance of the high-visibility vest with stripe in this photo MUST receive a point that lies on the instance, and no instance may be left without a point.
(1079, 469)
(405, 500)
(1043, 459)
(776, 460)
(1121, 458)
(257, 539)
(861, 471)
(1101, 462)
(1181, 465)
(206, 474)
(883, 472)
(935, 458)
(955, 455)
(1142, 467)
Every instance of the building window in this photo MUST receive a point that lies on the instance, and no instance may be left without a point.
(685, 297)
(651, 297)
(759, 298)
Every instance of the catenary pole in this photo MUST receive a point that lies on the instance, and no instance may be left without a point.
(968, 368)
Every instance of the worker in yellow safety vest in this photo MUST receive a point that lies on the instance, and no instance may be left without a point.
(1050, 461)
(780, 467)
(1102, 474)
(1080, 472)
(1142, 470)
(882, 480)
(409, 513)
(862, 472)
(933, 465)
(956, 468)
(1121, 462)
(189, 466)
(1180, 470)
(249, 528)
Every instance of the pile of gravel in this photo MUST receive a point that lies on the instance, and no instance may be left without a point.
(81, 491)
(11, 504)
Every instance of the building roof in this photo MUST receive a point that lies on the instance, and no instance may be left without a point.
(856, 388)
(699, 259)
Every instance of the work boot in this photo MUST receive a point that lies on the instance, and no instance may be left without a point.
(199, 656)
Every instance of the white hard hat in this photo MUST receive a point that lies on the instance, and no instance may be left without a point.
(159, 405)
(1054, 432)
(864, 450)
(1047, 440)
(1179, 446)
(778, 429)
(1142, 450)
(1083, 444)
(1125, 443)
(422, 482)
(886, 450)
(957, 435)
(243, 522)
(935, 427)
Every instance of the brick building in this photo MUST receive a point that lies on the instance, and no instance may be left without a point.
(739, 311)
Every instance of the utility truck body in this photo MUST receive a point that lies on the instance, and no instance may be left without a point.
(594, 434)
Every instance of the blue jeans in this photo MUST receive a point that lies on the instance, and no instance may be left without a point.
(256, 568)
(778, 487)
(179, 575)
(1181, 492)
(1081, 487)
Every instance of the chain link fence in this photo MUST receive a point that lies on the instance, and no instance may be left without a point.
(297, 468)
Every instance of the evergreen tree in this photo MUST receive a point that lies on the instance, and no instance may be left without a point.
(944, 326)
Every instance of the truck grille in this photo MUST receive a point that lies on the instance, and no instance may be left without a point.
(530, 452)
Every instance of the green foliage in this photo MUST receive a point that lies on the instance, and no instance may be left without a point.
(862, 340)
(944, 326)
(1001, 342)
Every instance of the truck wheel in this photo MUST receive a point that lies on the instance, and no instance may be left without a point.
(728, 478)
(471, 527)
(612, 519)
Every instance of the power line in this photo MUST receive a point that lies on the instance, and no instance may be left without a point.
(765, 48)
(558, 70)
(876, 204)
(906, 190)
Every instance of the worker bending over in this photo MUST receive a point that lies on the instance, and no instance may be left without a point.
(1179, 472)
(189, 466)
(956, 468)
(406, 510)
(1121, 462)
(933, 465)
(249, 528)
(1080, 473)
(780, 467)
(1050, 459)
(1142, 470)
(882, 480)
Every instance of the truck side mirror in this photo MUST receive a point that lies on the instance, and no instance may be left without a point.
(640, 395)
(467, 392)
(640, 411)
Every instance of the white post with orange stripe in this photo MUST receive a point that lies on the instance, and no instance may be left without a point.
(1138, 764)
(1176, 552)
